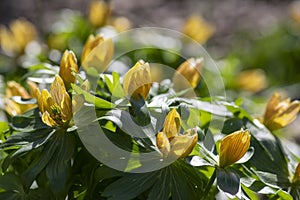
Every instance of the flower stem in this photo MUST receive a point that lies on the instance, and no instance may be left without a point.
(209, 184)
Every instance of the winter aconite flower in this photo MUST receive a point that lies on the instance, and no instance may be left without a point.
(68, 68)
(172, 124)
(170, 142)
(20, 33)
(188, 72)
(233, 147)
(97, 53)
(15, 89)
(99, 12)
(56, 106)
(253, 80)
(137, 81)
(280, 112)
(198, 29)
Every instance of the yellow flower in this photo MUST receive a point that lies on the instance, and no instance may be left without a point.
(97, 53)
(19, 34)
(56, 106)
(68, 67)
(99, 11)
(296, 177)
(252, 80)
(172, 143)
(172, 124)
(121, 24)
(137, 81)
(188, 72)
(279, 113)
(198, 29)
(15, 89)
(233, 147)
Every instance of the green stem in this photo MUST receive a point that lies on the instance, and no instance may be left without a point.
(209, 184)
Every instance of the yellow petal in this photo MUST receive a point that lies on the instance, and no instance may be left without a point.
(188, 72)
(47, 119)
(23, 32)
(8, 42)
(32, 88)
(286, 117)
(97, 53)
(271, 108)
(39, 99)
(47, 101)
(68, 67)
(98, 12)
(58, 89)
(297, 174)
(233, 147)
(163, 143)
(279, 113)
(15, 89)
(172, 124)
(137, 81)
(183, 145)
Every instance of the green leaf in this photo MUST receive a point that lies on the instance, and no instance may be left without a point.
(162, 188)
(104, 172)
(11, 182)
(231, 125)
(39, 163)
(58, 167)
(228, 181)
(98, 102)
(130, 186)
(26, 146)
(4, 127)
(114, 86)
(30, 121)
(269, 155)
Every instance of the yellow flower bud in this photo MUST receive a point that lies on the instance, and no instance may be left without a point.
(252, 80)
(8, 42)
(198, 29)
(279, 113)
(172, 124)
(137, 81)
(295, 11)
(97, 53)
(56, 106)
(163, 143)
(233, 147)
(12, 107)
(68, 67)
(99, 11)
(188, 72)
